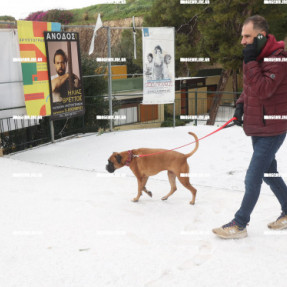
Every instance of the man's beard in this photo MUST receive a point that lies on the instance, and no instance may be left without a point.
(61, 72)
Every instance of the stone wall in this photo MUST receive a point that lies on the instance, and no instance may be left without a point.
(101, 44)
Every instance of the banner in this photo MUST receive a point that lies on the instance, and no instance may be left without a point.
(11, 92)
(34, 65)
(158, 65)
(64, 67)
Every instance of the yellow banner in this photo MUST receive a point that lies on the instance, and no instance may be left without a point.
(34, 65)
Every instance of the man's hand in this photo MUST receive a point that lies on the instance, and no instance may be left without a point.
(238, 114)
(77, 82)
(250, 52)
(58, 82)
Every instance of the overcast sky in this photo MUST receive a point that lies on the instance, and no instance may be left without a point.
(20, 9)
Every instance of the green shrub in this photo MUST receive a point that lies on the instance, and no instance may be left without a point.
(7, 18)
(169, 122)
(59, 15)
(55, 15)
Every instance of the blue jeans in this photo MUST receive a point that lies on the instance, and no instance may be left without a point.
(262, 161)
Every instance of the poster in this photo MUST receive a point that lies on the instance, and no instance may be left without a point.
(34, 65)
(64, 67)
(11, 92)
(158, 65)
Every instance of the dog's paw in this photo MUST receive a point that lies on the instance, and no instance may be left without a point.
(149, 193)
(164, 198)
(192, 202)
(134, 200)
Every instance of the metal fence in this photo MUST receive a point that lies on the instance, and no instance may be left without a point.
(126, 108)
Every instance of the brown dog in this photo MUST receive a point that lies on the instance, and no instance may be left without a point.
(174, 162)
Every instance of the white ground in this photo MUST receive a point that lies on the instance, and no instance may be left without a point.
(65, 222)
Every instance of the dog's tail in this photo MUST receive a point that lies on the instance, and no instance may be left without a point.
(196, 145)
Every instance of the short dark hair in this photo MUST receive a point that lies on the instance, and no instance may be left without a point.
(150, 55)
(62, 53)
(259, 23)
(158, 48)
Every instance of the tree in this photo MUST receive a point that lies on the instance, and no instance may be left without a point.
(7, 18)
(214, 31)
(184, 18)
(221, 35)
(125, 49)
(94, 89)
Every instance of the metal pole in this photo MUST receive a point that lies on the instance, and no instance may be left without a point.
(174, 81)
(174, 113)
(134, 33)
(110, 79)
(187, 101)
(196, 107)
(52, 131)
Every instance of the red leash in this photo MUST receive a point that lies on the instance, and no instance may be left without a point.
(142, 155)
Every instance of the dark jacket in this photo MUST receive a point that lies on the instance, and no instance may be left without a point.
(265, 92)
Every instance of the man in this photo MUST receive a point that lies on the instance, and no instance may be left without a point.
(264, 94)
(60, 81)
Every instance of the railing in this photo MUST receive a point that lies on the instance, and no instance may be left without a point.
(190, 107)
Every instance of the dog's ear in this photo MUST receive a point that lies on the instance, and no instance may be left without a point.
(119, 158)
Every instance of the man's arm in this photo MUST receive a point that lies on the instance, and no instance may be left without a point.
(240, 99)
(264, 83)
(239, 110)
(58, 82)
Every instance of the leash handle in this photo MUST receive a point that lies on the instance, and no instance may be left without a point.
(217, 130)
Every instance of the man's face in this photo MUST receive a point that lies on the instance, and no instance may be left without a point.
(60, 65)
(149, 58)
(157, 51)
(248, 34)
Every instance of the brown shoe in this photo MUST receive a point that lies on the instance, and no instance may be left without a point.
(230, 230)
(280, 223)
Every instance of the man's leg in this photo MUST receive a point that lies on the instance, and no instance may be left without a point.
(265, 149)
(277, 185)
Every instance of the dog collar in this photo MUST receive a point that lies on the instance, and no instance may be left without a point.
(130, 157)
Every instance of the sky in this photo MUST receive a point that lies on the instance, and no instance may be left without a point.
(20, 9)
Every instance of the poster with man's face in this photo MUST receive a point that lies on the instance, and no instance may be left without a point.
(66, 91)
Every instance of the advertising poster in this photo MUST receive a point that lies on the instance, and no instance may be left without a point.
(34, 65)
(158, 65)
(64, 66)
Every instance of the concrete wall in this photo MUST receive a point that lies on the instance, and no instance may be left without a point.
(148, 124)
(137, 126)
